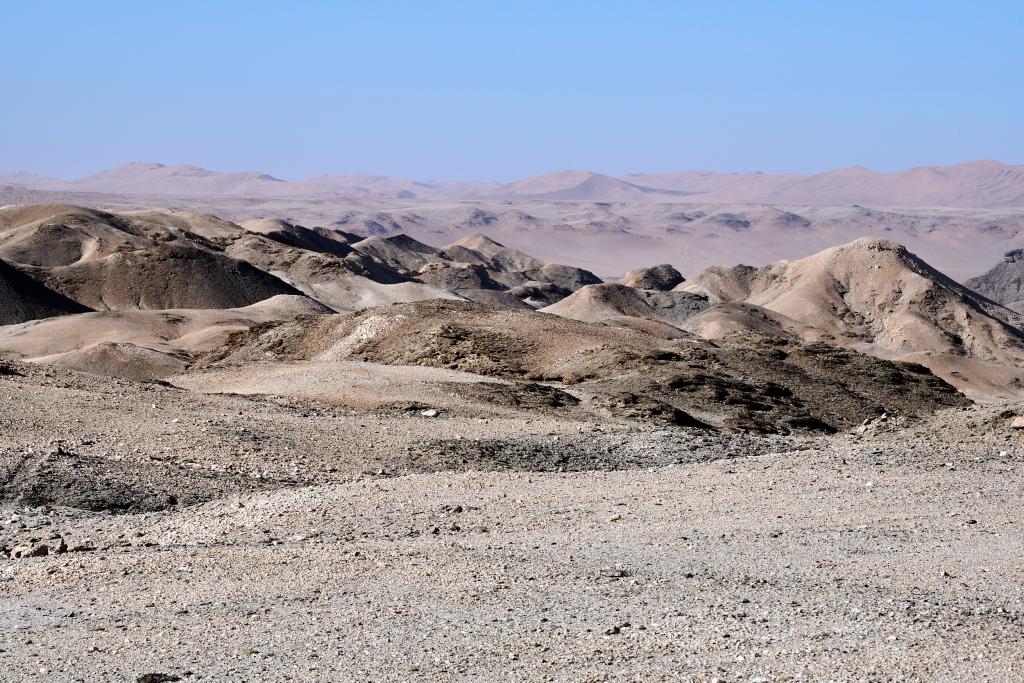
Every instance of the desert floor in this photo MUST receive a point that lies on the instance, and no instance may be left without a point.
(888, 555)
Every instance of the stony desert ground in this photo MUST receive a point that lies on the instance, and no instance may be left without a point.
(272, 451)
(671, 555)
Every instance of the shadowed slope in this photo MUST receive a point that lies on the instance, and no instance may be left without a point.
(23, 299)
(166, 276)
(1004, 284)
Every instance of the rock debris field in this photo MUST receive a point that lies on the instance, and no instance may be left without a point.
(885, 552)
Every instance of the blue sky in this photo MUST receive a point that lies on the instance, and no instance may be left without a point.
(499, 90)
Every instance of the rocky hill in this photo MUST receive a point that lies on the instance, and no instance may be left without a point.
(1003, 284)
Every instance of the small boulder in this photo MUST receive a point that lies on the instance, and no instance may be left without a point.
(24, 551)
(157, 678)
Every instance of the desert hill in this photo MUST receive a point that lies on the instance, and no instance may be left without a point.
(61, 235)
(141, 344)
(478, 268)
(514, 268)
(188, 180)
(136, 260)
(662, 277)
(162, 277)
(1004, 284)
(166, 286)
(581, 186)
(333, 242)
(621, 304)
(402, 253)
(139, 178)
(871, 296)
(740, 320)
(161, 259)
(623, 371)
(877, 297)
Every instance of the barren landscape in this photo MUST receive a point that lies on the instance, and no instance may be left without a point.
(961, 219)
(472, 342)
(383, 444)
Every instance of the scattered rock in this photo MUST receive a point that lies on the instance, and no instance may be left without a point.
(157, 678)
(614, 572)
(25, 551)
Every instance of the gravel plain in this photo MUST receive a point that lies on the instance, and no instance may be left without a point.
(886, 553)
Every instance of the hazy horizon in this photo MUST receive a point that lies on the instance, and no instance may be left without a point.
(277, 176)
(498, 92)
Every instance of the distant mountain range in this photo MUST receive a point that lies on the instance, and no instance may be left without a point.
(977, 184)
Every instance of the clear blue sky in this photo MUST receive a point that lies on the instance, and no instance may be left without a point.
(498, 90)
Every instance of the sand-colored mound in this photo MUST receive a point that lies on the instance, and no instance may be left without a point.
(344, 284)
(145, 259)
(736, 317)
(175, 275)
(568, 277)
(161, 225)
(466, 336)
(312, 239)
(409, 243)
(494, 254)
(877, 297)
(142, 344)
(581, 186)
(287, 306)
(300, 267)
(1004, 284)
(876, 291)
(474, 262)
(457, 276)
(514, 268)
(23, 298)
(164, 259)
(777, 386)
(119, 359)
(397, 254)
(720, 283)
(52, 235)
(610, 301)
(663, 277)
(144, 178)
(600, 302)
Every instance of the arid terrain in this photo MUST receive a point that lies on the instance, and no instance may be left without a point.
(661, 427)
(960, 219)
